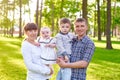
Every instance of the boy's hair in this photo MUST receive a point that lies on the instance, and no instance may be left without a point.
(45, 28)
(64, 20)
(30, 26)
(81, 20)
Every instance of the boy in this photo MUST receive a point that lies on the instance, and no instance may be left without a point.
(63, 44)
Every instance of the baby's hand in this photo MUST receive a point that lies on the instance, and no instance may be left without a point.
(50, 45)
(37, 44)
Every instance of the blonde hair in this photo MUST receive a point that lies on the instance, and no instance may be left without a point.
(45, 28)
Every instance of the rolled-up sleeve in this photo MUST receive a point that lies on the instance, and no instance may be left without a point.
(89, 50)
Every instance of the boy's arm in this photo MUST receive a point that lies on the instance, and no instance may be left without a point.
(60, 46)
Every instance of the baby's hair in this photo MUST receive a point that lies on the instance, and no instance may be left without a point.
(63, 21)
(45, 28)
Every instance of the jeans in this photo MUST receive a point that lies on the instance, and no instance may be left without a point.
(64, 74)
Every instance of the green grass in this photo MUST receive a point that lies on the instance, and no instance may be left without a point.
(105, 64)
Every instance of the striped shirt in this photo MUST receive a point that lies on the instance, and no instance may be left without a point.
(81, 50)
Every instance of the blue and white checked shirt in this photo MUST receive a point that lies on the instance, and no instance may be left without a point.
(81, 50)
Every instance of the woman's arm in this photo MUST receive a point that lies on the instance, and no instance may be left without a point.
(41, 68)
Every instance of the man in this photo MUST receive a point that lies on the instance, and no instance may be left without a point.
(82, 51)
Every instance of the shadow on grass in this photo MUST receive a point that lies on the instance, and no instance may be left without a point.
(104, 41)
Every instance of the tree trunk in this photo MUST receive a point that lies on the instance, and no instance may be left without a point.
(61, 10)
(40, 17)
(52, 17)
(108, 32)
(37, 6)
(98, 20)
(20, 21)
(84, 9)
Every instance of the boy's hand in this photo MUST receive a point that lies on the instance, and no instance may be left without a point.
(66, 59)
(61, 62)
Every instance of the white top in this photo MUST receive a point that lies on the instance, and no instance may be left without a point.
(48, 55)
(35, 69)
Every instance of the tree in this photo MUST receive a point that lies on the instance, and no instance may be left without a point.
(20, 20)
(98, 20)
(108, 31)
(40, 17)
(84, 9)
(37, 14)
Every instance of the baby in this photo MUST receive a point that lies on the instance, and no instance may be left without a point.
(47, 45)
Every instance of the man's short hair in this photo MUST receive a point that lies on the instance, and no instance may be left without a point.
(81, 20)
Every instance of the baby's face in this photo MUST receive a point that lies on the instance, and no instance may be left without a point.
(64, 28)
(45, 34)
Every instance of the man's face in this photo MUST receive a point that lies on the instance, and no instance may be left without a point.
(64, 28)
(80, 28)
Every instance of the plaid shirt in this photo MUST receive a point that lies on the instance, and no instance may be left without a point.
(81, 50)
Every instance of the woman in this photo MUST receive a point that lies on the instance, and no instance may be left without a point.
(31, 55)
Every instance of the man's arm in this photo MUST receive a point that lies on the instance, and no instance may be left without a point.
(78, 64)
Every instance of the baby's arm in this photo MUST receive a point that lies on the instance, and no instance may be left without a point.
(36, 44)
(52, 44)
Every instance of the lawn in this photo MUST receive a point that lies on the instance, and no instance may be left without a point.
(105, 64)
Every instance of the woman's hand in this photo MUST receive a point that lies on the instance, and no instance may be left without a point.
(51, 69)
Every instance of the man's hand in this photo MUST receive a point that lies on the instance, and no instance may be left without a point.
(61, 62)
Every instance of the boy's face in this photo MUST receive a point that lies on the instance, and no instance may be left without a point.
(64, 28)
(45, 34)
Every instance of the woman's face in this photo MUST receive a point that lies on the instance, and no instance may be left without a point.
(32, 34)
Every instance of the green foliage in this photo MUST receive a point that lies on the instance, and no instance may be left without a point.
(59, 9)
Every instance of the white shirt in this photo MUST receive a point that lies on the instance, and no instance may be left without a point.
(35, 69)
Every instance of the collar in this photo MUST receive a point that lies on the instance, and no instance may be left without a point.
(83, 39)
(63, 33)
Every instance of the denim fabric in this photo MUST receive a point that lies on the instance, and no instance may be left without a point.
(64, 74)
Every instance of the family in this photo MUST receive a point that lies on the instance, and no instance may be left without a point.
(72, 52)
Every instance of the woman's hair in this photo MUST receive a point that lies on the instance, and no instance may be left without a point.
(30, 26)
(63, 21)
